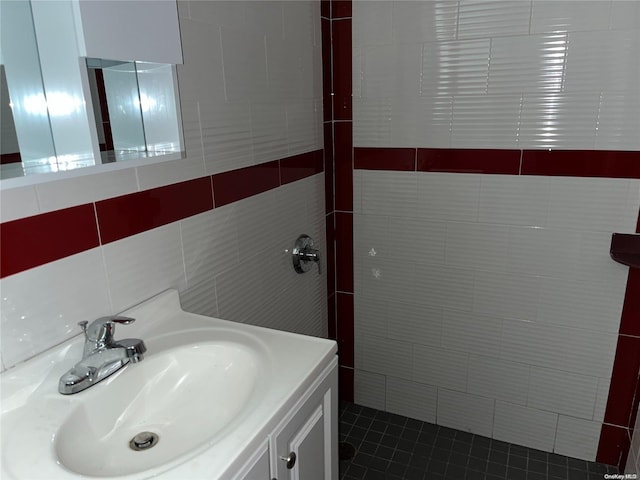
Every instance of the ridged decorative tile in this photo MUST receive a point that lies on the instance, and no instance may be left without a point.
(459, 67)
(485, 121)
(411, 399)
(448, 287)
(302, 127)
(480, 18)
(466, 412)
(601, 399)
(443, 367)
(423, 122)
(592, 204)
(410, 238)
(372, 23)
(371, 316)
(142, 265)
(389, 193)
(514, 200)
(30, 327)
(533, 63)
(577, 438)
(415, 324)
(605, 60)
(372, 122)
(624, 15)
(210, 244)
(507, 295)
(563, 16)
(618, 122)
(381, 355)
(391, 70)
(477, 245)
(573, 350)
(244, 64)
(417, 22)
(226, 135)
(268, 131)
(495, 378)
(589, 305)
(18, 202)
(369, 389)
(448, 196)
(524, 426)
(562, 392)
(471, 333)
(201, 75)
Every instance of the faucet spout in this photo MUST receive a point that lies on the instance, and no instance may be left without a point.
(102, 355)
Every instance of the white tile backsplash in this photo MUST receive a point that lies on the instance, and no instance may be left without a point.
(225, 101)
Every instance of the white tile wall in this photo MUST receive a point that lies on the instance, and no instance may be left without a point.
(519, 74)
(497, 293)
(231, 119)
(411, 399)
(466, 412)
(532, 323)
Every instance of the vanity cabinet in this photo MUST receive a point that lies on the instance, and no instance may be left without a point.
(304, 444)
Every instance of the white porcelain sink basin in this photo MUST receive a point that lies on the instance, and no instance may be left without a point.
(185, 395)
(211, 390)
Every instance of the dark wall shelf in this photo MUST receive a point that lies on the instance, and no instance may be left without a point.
(625, 249)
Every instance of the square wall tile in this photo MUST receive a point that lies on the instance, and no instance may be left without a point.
(369, 389)
(466, 412)
(411, 399)
(525, 426)
(577, 438)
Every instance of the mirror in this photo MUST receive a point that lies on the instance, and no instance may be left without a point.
(62, 112)
(26, 145)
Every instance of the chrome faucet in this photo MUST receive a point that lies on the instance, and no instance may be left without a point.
(102, 354)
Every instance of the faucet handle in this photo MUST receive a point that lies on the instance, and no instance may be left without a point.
(101, 330)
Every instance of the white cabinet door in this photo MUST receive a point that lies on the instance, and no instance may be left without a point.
(306, 444)
(257, 468)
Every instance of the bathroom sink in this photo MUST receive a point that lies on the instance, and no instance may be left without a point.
(175, 401)
(207, 393)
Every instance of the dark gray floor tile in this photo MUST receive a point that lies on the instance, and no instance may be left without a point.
(389, 440)
(480, 441)
(368, 412)
(396, 469)
(516, 474)
(419, 461)
(577, 464)
(374, 475)
(440, 454)
(447, 432)
(458, 459)
(368, 447)
(423, 449)
(397, 419)
(537, 455)
(378, 463)
(578, 474)
(477, 464)
(600, 468)
(363, 422)
(408, 434)
(536, 476)
(374, 437)
(473, 475)
(479, 452)
(518, 450)
(464, 437)
(362, 459)
(378, 426)
(414, 473)
(536, 466)
(499, 446)
(414, 424)
(557, 471)
(557, 459)
(357, 432)
(393, 429)
(517, 462)
(455, 471)
(498, 469)
(356, 470)
(443, 442)
(401, 457)
(437, 467)
(384, 452)
(494, 477)
(497, 456)
(348, 417)
(406, 445)
(461, 447)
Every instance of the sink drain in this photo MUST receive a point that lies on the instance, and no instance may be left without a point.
(144, 441)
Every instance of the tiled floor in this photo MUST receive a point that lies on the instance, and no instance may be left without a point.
(393, 447)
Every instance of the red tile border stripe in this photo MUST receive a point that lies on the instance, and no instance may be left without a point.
(581, 163)
(399, 159)
(127, 215)
(300, 166)
(33, 241)
(574, 163)
(489, 161)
